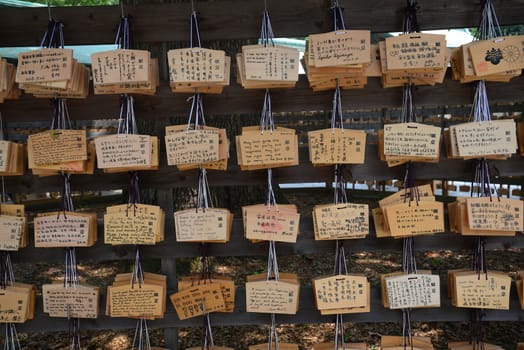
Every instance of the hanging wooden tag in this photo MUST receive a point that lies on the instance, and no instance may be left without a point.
(340, 291)
(192, 147)
(421, 193)
(340, 47)
(5, 148)
(381, 230)
(497, 55)
(413, 291)
(195, 301)
(462, 223)
(227, 286)
(123, 151)
(10, 211)
(337, 146)
(495, 214)
(519, 282)
(79, 301)
(277, 297)
(271, 223)
(63, 229)
(420, 218)
(11, 230)
(475, 139)
(412, 140)
(466, 345)
(44, 65)
(416, 51)
(489, 291)
(196, 65)
(203, 225)
(133, 224)
(341, 221)
(280, 346)
(399, 342)
(146, 300)
(120, 66)
(17, 303)
(57, 146)
(271, 63)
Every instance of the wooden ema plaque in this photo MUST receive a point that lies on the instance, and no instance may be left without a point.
(497, 55)
(8, 88)
(485, 291)
(474, 140)
(65, 229)
(140, 88)
(44, 65)
(270, 63)
(211, 225)
(57, 146)
(79, 301)
(12, 218)
(196, 65)
(271, 223)
(227, 287)
(17, 303)
(197, 300)
(467, 345)
(341, 47)
(346, 346)
(154, 163)
(423, 192)
(133, 224)
(337, 146)
(415, 51)
(397, 343)
(145, 300)
(405, 220)
(120, 66)
(279, 345)
(411, 141)
(268, 149)
(519, 282)
(341, 291)
(413, 291)
(270, 296)
(192, 147)
(341, 221)
(123, 151)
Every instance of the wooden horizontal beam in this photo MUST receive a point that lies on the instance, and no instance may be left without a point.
(236, 100)
(238, 19)
(307, 313)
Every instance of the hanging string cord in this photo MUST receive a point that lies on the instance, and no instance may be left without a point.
(194, 31)
(204, 199)
(272, 263)
(273, 334)
(340, 342)
(407, 112)
(480, 111)
(60, 115)
(410, 24)
(11, 340)
(137, 276)
(266, 31)
(266, 117)
(54, 35)
(407, 331)
(340, 267)
(74, 334)
(126, 120)
(141, 339)
(338, 17)
(122, 39)
(196, 119)
(337, 117)
(489, 26)
(208, 343)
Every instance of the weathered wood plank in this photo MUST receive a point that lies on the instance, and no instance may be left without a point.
(238, 19)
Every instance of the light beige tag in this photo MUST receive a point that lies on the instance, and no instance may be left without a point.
(44, 65)
(340, 47)
(497, 55)
(281, 346)
(340, 291)
(62, 229)
(413, 291)
(421, 193)
(11, 229)
(495, 214)
(270, 63)
(337, 146)
(197, 300)
(120, 66)
(255, 148)
(411, 140)
(123, 151)
(192, 147)
(15, 304)
(4, 154)
(487, 292)
(277, 297)
(416, 51)
(475, 139)
(132, 225)
(341, 221)
(196, 65)
(271, 223)
(146, 300)
(57, 146)
(196, 225)
(416, 219)
(80, 301)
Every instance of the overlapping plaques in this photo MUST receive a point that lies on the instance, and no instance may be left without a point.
(80, 301)
(404, 142)
(17, 303)
(340, 221)
(271, 296)
(416, 58)
(337, 146)
(486, 216)
(497, 55)
(342, 294)
(13, 227)
(65, 229)
(471, 289)
(227, 287)
(496, 139)
(388, 342)
(279, 223)
(207, 225)
(127, 152)
(204, 146)
(520, 287)
(137, 300)
(8, 88)
(267, 149)
(399, 217)
(342, 55)
(416, 290)
(139, 224)
(198, 69)
(124, 71)
(270, 66)
(12, 158)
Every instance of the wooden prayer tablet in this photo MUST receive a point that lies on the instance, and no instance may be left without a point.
(8, 88)
(78, 301)
(142, 88)
(13, 227)
(340, 47)
(489, 290)
(497, 55)
(56, 146)
(17, 303)
(341, 221)
(414, 218)
(45, 65)
(77, 167)
(205, 87)
(144, 300)
(268, 149)
(212, 225)
(519, 282)
(134, 224)
(341, 291)
(227, 287)
(397, 343)
(271, 223)
(337, 146)
(347, 346)
(281, 346)
(197, 300)
(467, 345)
(420, 193)
(393, 160)
(270, 296)
(120, 66)
(411, 141)
(129, 151)
(413, 291)
(416, 51)
(188, 148)
(65, 229)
